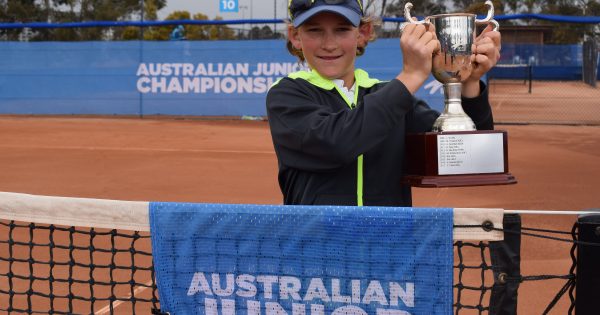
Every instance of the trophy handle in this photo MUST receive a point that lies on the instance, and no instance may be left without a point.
(488, 19)
(409, 18)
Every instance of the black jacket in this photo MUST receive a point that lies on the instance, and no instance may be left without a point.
(333, 151)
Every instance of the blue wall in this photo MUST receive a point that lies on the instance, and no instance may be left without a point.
(204, 78)
(115, 78)
(549, 62)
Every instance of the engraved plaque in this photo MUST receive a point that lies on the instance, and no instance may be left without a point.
(453, 159)
(470, 154)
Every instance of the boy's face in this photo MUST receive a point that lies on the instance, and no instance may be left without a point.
(328, 42)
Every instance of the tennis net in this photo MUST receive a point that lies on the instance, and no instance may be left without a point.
(102, 266)
(88, 256)
(522, 72)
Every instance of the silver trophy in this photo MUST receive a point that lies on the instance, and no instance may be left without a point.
(456, 33)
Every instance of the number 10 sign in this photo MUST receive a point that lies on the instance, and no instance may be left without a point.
(228, 5)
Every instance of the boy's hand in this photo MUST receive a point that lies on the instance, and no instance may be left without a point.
(486, 53)
(418, 43)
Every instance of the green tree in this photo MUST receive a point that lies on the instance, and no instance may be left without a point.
(563, 33)
(264, 32)
(500, 7)
(254, 32)
(151, 8)
(220, 31)
(105, 10)
(163, 32)
(482, 9)
(462, 5)
(571, 33)
(198, 32)
(62, 11)
(420, 8)
(20, 11)
(593, 9)
(192, 32)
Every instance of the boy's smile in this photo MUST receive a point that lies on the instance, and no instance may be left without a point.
(329, 44)
(330, 57)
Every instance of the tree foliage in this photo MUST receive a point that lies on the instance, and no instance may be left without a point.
(62, 11)
(571, 33)
(420, 8)
(19, 11)
(479, 7)
(562, 33)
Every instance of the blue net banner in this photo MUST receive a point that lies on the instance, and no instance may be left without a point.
(190, 78)
(251, 259)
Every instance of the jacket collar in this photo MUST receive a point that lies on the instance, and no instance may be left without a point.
(314, 78)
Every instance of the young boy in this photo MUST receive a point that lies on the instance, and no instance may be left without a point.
(338, 134)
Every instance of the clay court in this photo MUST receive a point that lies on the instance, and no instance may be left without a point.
(550, 102)
(555, 160)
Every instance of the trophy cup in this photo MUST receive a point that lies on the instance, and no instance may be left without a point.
(455, 153)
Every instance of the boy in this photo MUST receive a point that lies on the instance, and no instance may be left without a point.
(338, 134)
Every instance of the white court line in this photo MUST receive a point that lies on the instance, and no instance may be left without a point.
(499, 105)
(106, 309)
(85, 148)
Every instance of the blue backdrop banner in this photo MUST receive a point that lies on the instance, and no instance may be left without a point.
(198, 78)
(248, 259)
(193, 78)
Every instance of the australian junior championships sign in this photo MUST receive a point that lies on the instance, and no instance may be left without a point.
(306, 296)
(217, 78)
(219, 259)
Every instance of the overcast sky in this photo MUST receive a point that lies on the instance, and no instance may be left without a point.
(257, 9)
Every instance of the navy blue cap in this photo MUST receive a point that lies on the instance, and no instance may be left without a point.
(302, 10)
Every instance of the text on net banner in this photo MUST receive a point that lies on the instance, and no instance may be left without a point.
(250, 259)
(195, 78)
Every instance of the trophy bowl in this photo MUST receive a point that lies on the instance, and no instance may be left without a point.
(456, 33)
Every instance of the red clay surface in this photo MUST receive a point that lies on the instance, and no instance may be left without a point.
(557, 167)
(567, 102)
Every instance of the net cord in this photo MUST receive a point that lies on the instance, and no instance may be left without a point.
(134, 215)
(574, 241)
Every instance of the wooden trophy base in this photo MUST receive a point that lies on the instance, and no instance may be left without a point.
(459, 180)
(456, 159)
